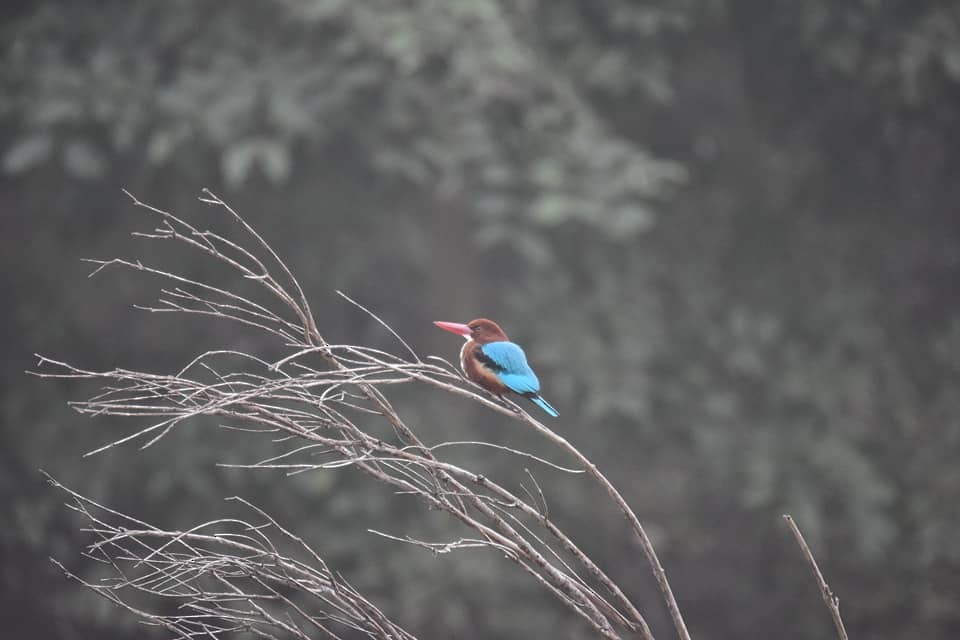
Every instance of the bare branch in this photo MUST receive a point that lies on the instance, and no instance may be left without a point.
(323, 400)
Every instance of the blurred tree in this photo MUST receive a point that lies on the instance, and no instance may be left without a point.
(785, 339)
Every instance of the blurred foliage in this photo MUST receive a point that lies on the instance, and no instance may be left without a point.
(725, 231)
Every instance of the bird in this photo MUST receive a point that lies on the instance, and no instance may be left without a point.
(489, 359)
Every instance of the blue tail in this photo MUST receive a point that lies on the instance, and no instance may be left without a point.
(543, 404)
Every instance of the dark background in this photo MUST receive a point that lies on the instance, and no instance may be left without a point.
(725, 231)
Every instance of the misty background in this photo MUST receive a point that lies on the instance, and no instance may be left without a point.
(726, 232)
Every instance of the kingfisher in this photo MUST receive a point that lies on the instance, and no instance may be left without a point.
(496, 364)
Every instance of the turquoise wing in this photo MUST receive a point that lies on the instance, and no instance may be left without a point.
(508, 361)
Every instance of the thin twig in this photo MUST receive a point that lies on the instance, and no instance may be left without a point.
(829, 597)
(381, 322)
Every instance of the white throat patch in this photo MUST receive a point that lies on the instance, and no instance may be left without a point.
(463, 352)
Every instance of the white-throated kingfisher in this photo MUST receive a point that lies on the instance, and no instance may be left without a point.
(496, 364)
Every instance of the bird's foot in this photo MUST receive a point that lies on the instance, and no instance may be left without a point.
(509, 405)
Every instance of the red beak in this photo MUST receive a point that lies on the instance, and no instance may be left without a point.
(454, 327)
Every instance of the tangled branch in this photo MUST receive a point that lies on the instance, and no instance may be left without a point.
(225, 576)
(321, 398)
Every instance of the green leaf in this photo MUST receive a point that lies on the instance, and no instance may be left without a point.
(236, 162)
(83, 160)
(164, 142)
(274, 158)
(27, 153)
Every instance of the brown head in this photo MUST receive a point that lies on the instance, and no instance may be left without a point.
(480, 330)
